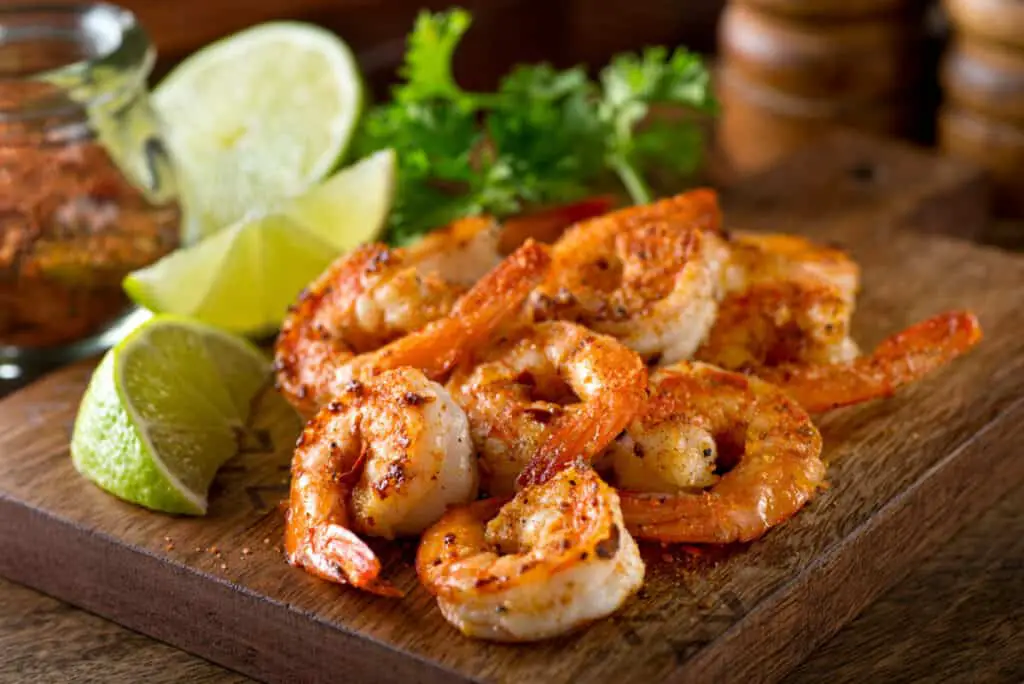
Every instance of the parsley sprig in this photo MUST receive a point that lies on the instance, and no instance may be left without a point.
(545, 136)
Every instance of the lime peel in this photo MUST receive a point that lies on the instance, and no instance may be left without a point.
(163, 412)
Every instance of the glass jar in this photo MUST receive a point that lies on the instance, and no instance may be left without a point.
(87, 192)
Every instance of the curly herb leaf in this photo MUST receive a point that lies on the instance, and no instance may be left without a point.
(546, 136)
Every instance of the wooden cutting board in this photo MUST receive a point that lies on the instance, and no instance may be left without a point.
(905, 473)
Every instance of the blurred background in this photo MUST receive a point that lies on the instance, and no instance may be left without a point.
(786, 70)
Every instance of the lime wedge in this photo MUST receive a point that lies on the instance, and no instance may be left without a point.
(257, 117)
(243, 279)
(164, 410)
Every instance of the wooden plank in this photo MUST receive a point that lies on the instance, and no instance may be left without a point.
(905, 474)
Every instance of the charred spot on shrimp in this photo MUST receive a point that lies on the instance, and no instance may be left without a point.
(608, 547)
(414, 399)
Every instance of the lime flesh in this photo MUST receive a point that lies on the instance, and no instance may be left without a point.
(257, 117)
(243, 279)
(164, 410)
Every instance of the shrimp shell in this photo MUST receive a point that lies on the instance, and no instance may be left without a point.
(899, 360)
(553, 559)
(314, 367)
(649, 276)
(383, 460)
(778, 470)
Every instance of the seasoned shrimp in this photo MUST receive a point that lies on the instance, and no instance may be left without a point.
(787, 300)
(649, 276)
(547, 225)
(897, 361)
(696, 414)
(555, 558)
(384, 459)
(554, 390)
(313, 364)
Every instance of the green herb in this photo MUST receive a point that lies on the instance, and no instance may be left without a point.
(546, 136)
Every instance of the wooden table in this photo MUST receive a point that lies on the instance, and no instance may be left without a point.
(958, 617)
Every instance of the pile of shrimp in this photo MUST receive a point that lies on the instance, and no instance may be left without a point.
(533, 398)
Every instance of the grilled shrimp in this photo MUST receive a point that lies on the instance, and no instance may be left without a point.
(554, 390)
(787, 300)
(649, 276)
(698, 414)
(899, 360)
(384, 459)
(316, 358)
(554, 558)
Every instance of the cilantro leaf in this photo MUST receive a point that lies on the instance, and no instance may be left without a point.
(546, 136)
(631, 85)
(427, 70)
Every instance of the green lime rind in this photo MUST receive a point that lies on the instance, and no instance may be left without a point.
(164, 411)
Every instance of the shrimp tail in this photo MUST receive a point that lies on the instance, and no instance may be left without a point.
(493, 301)
(899, 360)
(346, 559)
(578, 441)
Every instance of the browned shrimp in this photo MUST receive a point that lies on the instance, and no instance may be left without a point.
(384, 459)
(553, 559)
(698, 413)
(314, 366)
(787, 300)
(897, 361)
(553, 391)
(649, 276)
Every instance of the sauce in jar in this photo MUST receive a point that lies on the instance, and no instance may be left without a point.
(87, 193)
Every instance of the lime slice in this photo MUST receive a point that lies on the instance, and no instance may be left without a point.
(257, 117)
(164, 410)
(244, 278)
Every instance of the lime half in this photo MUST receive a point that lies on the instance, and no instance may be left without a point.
(244, 278)
(257, 117)
(164, 410)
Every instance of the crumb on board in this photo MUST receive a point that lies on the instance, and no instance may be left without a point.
(223, 566)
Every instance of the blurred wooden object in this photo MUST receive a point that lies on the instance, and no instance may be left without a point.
(504, 31)
(759, 126)
(1000, 21)
(791, 70)
(832, 9)
(849, 60)
(982, 78)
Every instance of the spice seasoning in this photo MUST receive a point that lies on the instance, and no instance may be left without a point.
(86, 194)
(71, 227)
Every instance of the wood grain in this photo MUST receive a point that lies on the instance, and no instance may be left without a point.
(44, 640)
(960, 611)
(897, 468)
(957, 617)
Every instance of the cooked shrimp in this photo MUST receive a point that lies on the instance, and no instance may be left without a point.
(554, 390)
(384, 459)
(555, 558)
(547, 225)
(696, 414)
(649, 276)
(787, 300)
(897, 361)
(314, 364)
